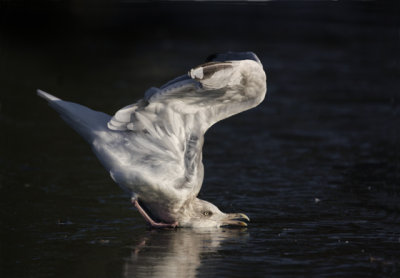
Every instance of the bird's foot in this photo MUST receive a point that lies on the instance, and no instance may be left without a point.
(153, 224)
(158, 225)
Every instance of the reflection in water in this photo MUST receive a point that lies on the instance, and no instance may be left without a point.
(176, 253)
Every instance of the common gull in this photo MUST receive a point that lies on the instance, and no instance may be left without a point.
(153, 148)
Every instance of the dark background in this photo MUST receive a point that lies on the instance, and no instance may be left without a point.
(315, 166)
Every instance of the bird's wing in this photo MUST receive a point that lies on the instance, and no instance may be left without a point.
(164, 130)
(213, 91)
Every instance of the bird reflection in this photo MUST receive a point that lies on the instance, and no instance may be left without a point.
(177, 253)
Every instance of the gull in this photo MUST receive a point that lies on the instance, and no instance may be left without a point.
(153, 148)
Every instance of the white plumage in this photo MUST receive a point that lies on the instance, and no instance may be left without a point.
(153, 148)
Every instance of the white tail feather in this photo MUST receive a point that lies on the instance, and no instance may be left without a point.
(83, 120)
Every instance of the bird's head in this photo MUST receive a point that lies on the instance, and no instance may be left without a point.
(203, 214)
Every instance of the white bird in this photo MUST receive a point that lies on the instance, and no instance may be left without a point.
(153, 148)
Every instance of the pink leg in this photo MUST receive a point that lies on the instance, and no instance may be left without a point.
(151, 221)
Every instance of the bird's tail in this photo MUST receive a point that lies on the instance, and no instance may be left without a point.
(83, 120)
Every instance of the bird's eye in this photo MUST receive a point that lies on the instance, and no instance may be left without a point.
(207, 213)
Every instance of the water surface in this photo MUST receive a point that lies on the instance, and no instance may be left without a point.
(315, 166)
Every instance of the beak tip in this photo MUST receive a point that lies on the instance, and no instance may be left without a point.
(242, 224)
(244, 216)
(237, 219)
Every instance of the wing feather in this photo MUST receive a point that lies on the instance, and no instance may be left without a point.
(163, 132)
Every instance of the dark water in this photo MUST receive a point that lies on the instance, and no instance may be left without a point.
(315, 166)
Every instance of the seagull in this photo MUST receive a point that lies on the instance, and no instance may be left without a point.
(153, 148)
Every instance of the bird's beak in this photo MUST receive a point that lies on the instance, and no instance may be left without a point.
(235, 219)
